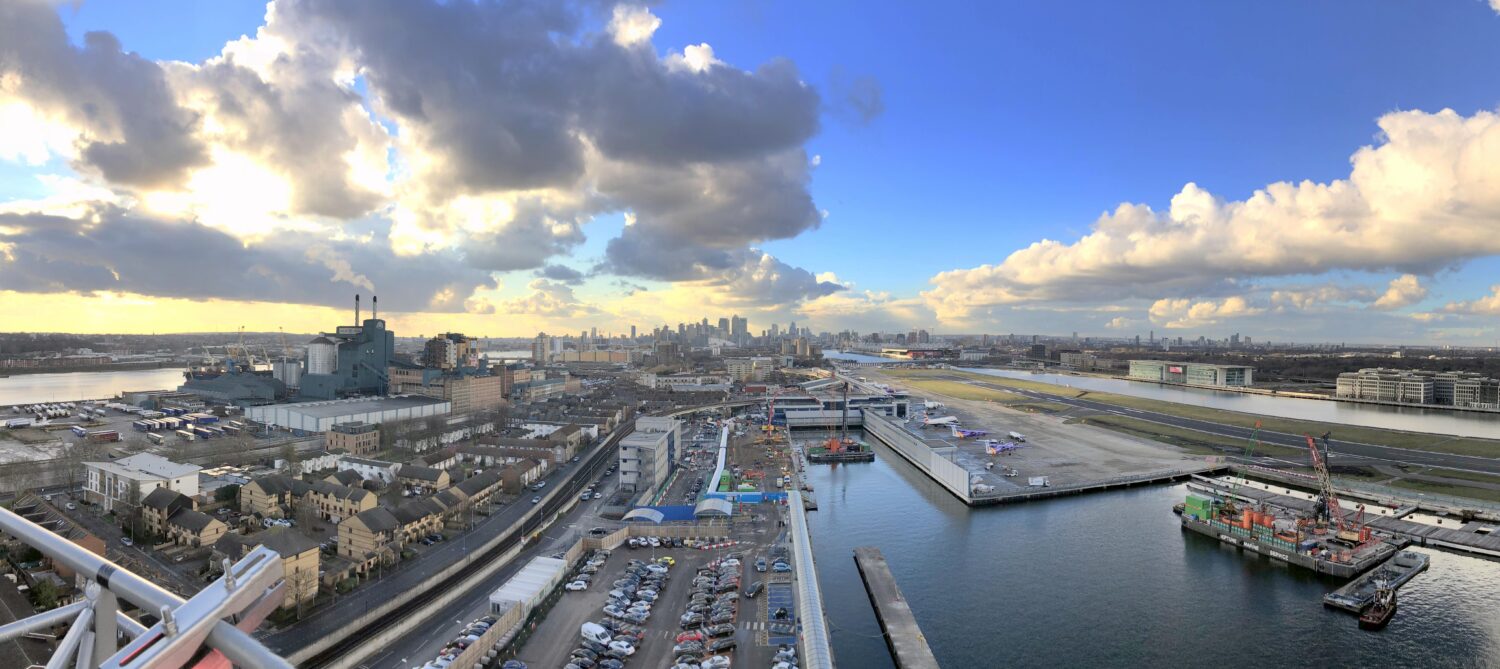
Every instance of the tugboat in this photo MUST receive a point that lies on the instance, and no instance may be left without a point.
(1381, 611)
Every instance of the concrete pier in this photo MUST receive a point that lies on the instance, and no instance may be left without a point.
(908, 647)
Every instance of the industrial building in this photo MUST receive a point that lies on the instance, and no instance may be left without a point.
(1414, 386)
(1192, 373)
(469, 389)
(310, 417)
(646, 455)
(235, 387)
(352, 360)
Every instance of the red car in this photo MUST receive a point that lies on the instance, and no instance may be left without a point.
(690, 636)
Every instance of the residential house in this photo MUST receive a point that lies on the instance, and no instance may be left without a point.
(299, 559)
(113, 483)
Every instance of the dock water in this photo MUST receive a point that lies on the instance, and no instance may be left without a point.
(908, 646)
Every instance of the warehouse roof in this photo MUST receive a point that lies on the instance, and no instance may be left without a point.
(335, 408)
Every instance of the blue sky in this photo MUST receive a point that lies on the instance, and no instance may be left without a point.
(1006, 123)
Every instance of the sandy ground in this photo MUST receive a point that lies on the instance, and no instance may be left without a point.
(1066, 454)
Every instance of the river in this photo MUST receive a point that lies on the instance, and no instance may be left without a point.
(1110, 579)
(71, 386)
(1411, 419)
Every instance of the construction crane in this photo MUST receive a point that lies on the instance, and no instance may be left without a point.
(1328, 508)
(286, 350)
(1234, 484)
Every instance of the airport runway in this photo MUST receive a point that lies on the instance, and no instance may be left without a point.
(1346, 452)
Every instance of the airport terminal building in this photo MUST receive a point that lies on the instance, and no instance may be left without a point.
(1192, 373)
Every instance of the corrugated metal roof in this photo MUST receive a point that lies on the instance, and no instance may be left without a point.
(647, 514)
(531, 582)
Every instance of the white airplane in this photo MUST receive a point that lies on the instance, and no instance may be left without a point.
(945, 420)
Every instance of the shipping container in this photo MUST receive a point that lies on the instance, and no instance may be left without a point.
(185, 435)
(156, 438)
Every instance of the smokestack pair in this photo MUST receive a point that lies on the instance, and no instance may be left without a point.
(374, 307)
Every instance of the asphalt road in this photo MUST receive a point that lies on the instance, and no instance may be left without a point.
(1347, 452)
(413, 650)
(412, 574)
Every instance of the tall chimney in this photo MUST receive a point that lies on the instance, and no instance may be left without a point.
(356, 308)
(374, 306)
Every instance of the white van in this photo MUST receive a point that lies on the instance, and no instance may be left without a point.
(595, 633)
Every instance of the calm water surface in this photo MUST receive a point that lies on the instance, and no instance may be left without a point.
(70, 386)
(1111, 580)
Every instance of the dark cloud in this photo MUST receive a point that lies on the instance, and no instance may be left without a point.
(561, 273)
(131, 129)
(128, 253)
(692, 218)
(524, 243)
(488, 88)
(642, 110)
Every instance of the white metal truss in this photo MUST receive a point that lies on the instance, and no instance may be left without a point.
(210, 630)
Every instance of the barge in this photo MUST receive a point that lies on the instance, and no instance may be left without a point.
(1358, 595)
(1296, 542)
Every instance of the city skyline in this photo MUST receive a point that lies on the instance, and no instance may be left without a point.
(202, 168)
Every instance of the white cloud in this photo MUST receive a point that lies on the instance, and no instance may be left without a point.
(1403, 290)
(1488, 305)
(1120, 323)
(694, 58)
(1185, 313)
(631, 25)
(1495, 5)
(1426, 197)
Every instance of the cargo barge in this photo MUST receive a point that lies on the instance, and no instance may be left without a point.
(1299, 541)
(1357, 595)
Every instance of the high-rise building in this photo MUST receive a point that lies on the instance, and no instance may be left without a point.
(632, 332)
(541, 348)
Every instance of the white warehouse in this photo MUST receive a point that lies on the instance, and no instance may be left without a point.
(321, 416)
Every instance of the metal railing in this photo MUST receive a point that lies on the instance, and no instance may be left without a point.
(219, 617)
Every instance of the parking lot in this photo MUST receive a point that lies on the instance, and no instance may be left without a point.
(558, 634)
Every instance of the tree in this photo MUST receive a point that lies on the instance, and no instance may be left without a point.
(132, 504)
(229, 493)
(44, 594)
(293, 463)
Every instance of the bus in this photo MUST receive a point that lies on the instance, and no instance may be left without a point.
(186, 436)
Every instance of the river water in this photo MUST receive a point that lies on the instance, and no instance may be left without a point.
(1411, 419)
(1110, 579)
(72, 386)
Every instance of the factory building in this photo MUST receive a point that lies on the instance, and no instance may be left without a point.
(1192, 373)
(469, 389)
(311, 417)
(352, 360)
(234, 387)
(1407, 386)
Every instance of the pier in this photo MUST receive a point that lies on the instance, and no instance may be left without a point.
(909, 648)
(937, 465)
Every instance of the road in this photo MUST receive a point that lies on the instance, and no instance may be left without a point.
(334, 618)
(1345, 451)
(412, 650)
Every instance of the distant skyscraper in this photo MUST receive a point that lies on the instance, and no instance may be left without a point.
(739, 328)
(632, 332)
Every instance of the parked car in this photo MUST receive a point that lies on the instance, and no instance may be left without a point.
(576, 586)
(760, 564)
(755, 589)
(536, 500)
(720, 631)
(781, 567)
(718, 645)
(127, 541)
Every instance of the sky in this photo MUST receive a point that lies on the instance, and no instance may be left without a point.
(1316, 172)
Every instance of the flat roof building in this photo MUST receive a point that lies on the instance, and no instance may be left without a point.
(1192, 373)
(110, 483)
(646, 455)
(322, 416)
